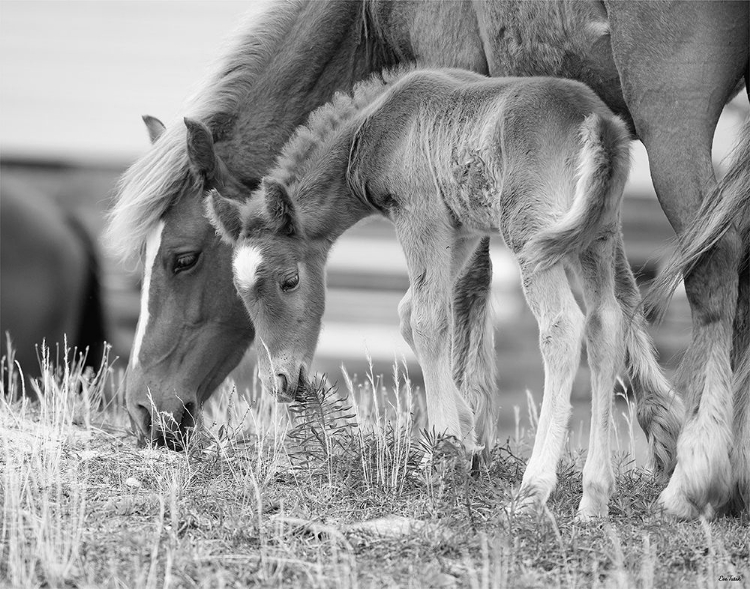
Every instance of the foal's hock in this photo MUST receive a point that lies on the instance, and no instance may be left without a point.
(451, 157)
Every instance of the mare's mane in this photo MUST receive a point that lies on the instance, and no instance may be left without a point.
(158, 179)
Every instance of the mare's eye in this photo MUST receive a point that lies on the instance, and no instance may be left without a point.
(185, 262)
(290, 283)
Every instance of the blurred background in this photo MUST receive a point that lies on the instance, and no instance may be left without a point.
(75, 78)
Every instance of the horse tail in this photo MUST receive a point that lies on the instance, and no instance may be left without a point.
(603, 165)
(92, 329)
(728, 203)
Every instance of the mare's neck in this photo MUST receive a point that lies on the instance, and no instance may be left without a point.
(316, 49)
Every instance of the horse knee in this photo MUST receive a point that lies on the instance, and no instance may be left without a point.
(711, 286)
(561, 334)
(429, 329)
(604, 331)
(404, 314)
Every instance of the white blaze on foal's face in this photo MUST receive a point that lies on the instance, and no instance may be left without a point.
(245, 265)
(285, 299)
(152, 248)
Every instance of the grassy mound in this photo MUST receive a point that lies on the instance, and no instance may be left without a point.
(345, 489)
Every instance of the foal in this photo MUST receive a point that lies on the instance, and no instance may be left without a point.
(450, 157)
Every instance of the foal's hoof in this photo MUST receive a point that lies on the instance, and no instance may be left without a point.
(591, 514)
(526, 502)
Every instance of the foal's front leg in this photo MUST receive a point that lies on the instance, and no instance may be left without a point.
(431, 255)
(472, 340)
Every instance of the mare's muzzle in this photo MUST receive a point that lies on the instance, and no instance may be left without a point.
(159, 417)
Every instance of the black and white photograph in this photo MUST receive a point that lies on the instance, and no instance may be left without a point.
(375, 294)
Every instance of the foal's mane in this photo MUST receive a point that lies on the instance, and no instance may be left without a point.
(296, 157)
(159, 178)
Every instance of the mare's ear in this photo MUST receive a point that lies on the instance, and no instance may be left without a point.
(200, 148)
(225, 216)
(280, 207)
(154, 126)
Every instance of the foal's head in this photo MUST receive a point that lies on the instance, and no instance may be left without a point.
(282, 233)
(279, 272)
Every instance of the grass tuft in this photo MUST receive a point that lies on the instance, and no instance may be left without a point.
(345, 489)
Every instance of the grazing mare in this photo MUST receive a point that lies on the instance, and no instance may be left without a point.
(666, 67)
(49, 290)
(451, 157)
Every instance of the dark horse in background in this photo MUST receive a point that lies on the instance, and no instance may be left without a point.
(49, 290)
(668, 68)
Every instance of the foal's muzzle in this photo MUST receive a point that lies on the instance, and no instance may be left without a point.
(288, 390)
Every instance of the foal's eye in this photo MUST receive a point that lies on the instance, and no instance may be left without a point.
(184, 262)
(290, 282)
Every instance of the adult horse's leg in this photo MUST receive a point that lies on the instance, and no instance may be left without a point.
(741, 344)
(741, 449)
(741, 385)
(473, 343)
(660, 411)
(678, 64)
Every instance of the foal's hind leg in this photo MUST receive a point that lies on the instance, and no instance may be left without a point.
(660, 411)
(605, 346)
(560, 330)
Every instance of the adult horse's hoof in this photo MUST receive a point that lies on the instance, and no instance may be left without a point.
(676, 504)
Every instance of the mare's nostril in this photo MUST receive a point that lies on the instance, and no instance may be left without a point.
(188, 418)
(281, 384)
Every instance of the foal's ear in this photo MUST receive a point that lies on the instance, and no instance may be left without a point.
(200, 148)
(280, 207)
(224, 214)
(154, 126)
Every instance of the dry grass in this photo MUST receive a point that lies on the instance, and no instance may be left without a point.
(335, 495)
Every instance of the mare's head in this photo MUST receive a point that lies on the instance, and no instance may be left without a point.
(279, 272)
(192, 330)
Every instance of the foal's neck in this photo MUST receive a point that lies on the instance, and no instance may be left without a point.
(324, 195)
(315, 162)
